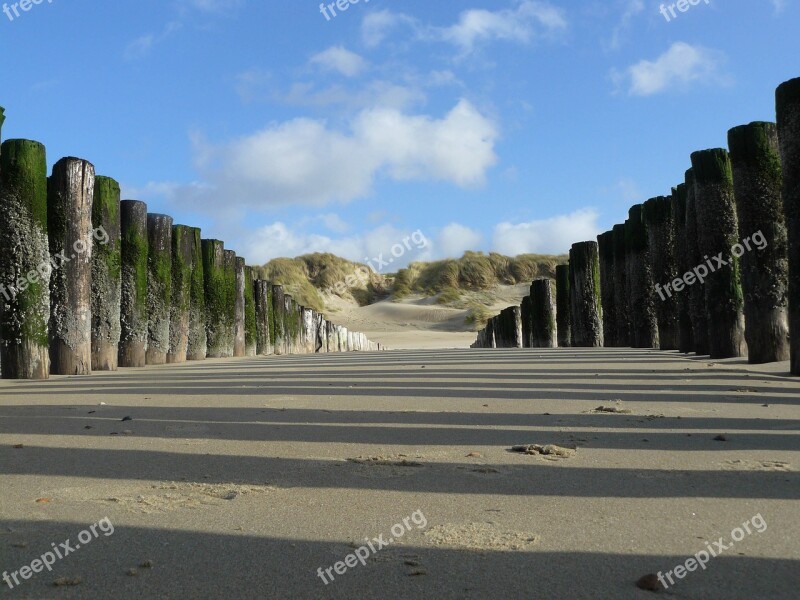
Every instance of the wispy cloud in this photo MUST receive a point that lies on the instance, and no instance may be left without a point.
(340, 60)
(681, 66)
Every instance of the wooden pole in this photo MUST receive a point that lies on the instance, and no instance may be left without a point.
(25, 266)
(787, 100)
(70, 193)
(239, 302)
(229, 263)
(250, 326)
(660, 224)
(543, 315)
(278, 332)
(697, 295)
(621, 299)
(197, 343)
(263, 304)
(563, 306)
(527, 321)
(605, 242)
(182, 258)
(159, 287)
(584, 285)
(641, 290)
(133, 304)
(106, 274)
(757, 182)
(685, 332)
(219, 329)
(718, 231)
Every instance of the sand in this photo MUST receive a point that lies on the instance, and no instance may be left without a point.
(240, 478)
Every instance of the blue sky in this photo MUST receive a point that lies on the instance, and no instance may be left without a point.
(507, 125)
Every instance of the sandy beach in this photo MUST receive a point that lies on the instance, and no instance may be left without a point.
(243, 478)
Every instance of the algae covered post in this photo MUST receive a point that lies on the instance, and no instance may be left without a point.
(106, 275)
(24, 261)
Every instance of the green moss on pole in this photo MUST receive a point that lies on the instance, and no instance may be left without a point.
(159, 287)
(106, 274)
(133, 304)
(757, 182)
(585, 300)
(182, 259)
(660, 223)
(563, 306)
(197, 343)
(605, 242)
(239, 309)
(697, 295)
(718, 231)
(787, 101)
(24, 261)
(229, 262)
(250, 326)
(621, 300)
(543, 315)
(685, 331)
(639, 280)
(219, 327)
(69, 224)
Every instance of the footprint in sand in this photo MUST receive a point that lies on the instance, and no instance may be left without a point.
(381, 466)
(169, 496)
(756, 465)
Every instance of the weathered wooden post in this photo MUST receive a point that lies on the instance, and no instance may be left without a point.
(25, 267)
(563, 306)
(333, 340)
(239, 304)
(718, 232)
(757, 181)
(641, 288)
(660, 224)
(584, 285)
(262, 291)
(307, 330)
(543, 317)
(106, 275)
(70, 193)
(182, 258)
(526, 307)
(250, 326)
(197, 343)
(219, 327)
(509, 328)
(605, 243)
(621, 300)
(685, 333)
(321, 343)
(159, 287)
(133, 304)
(697, 295)
(293, 326)
(278, 333)
(229, 264)
(787, 100)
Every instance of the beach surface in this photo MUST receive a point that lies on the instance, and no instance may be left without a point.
(246, 478)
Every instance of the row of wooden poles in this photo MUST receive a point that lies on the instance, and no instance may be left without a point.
(89, 282)
(741, 204)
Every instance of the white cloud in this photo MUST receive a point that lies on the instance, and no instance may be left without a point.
(531, 19)
(779, 5)
(341, 60)
(678, 67)
(304, 161)
(454, 239)
(547, 236)
(521, 25)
